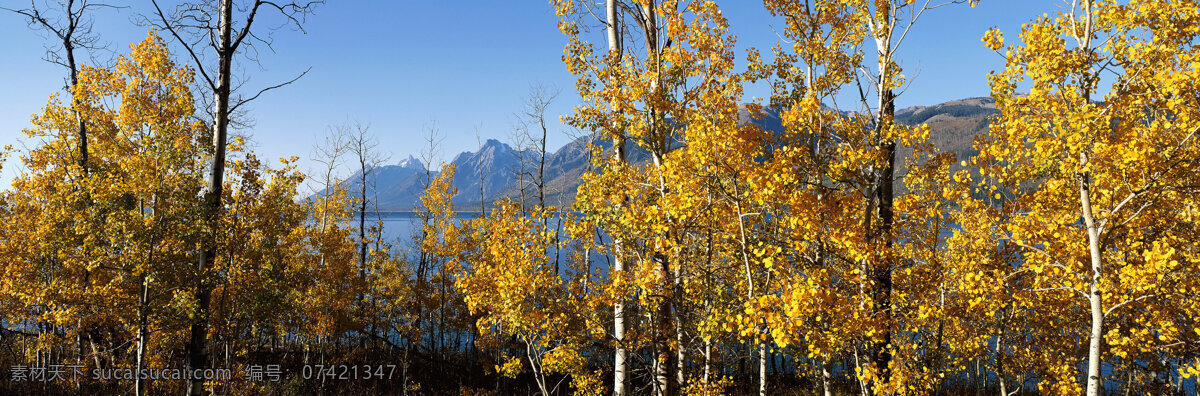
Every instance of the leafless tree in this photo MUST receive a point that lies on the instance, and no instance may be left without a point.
(364, 148)
(425, 261)
(203, 29)
(431, 152)
(521, 143)
(70, 25)
(435, 266)
(533, 116)
(330, 153)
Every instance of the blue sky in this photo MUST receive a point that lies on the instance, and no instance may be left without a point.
(401, 66)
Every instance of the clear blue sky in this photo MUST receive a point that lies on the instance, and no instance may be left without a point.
(402, 65)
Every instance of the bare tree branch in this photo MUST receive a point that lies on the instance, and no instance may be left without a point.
(260, 92)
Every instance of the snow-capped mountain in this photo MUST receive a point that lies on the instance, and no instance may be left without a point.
(495, 165)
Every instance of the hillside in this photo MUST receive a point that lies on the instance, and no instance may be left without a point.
(953, 125)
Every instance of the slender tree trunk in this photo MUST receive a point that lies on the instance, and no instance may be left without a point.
(404, 372)
(750, 289)
(442, 315)
(1095, 299)
(707, 360)
(541, 177)
(1096, 336)
(423, 262)
(68, 41)
(980, 380)
(538, 375)
(197, 344)
(826, 378)
(664, 358)
(1000, 364)
(81, 126)
(362, 217)
(139, 387)
(883, 272)
(762, 368)
(620, 355)
(364, 169)
(864, 387)
(939, 353)
(680, 359)
(881, 291)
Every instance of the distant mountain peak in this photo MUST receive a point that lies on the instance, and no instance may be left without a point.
(488, 173)
(411, 162)
(493, 146)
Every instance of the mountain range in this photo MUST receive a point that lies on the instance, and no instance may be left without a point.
(494, 166)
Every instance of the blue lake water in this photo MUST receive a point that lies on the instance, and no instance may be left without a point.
(402, 228)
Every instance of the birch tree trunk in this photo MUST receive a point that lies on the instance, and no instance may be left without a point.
(881, 291)
(621, 355)
(139, 387)
(1096, 336)
(762, 369)
(680, 359)
(196, 346)
(362, 212)
(826, 377)
(707, 359)
(73, 32)
(1095, 299)
(1000, 361)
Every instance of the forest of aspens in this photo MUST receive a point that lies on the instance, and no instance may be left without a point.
(145, 249)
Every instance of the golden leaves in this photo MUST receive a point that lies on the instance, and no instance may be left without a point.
(755, 235)
(1058, 142)
(93, 244)
(993, 38)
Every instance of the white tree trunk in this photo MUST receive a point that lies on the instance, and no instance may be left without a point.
(1095, 299)
(197, 345)
(621, 355)
(680, 378)
(1096, 337)
(762, 368)
(707, 359)
(139, 387)
(826, 377)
